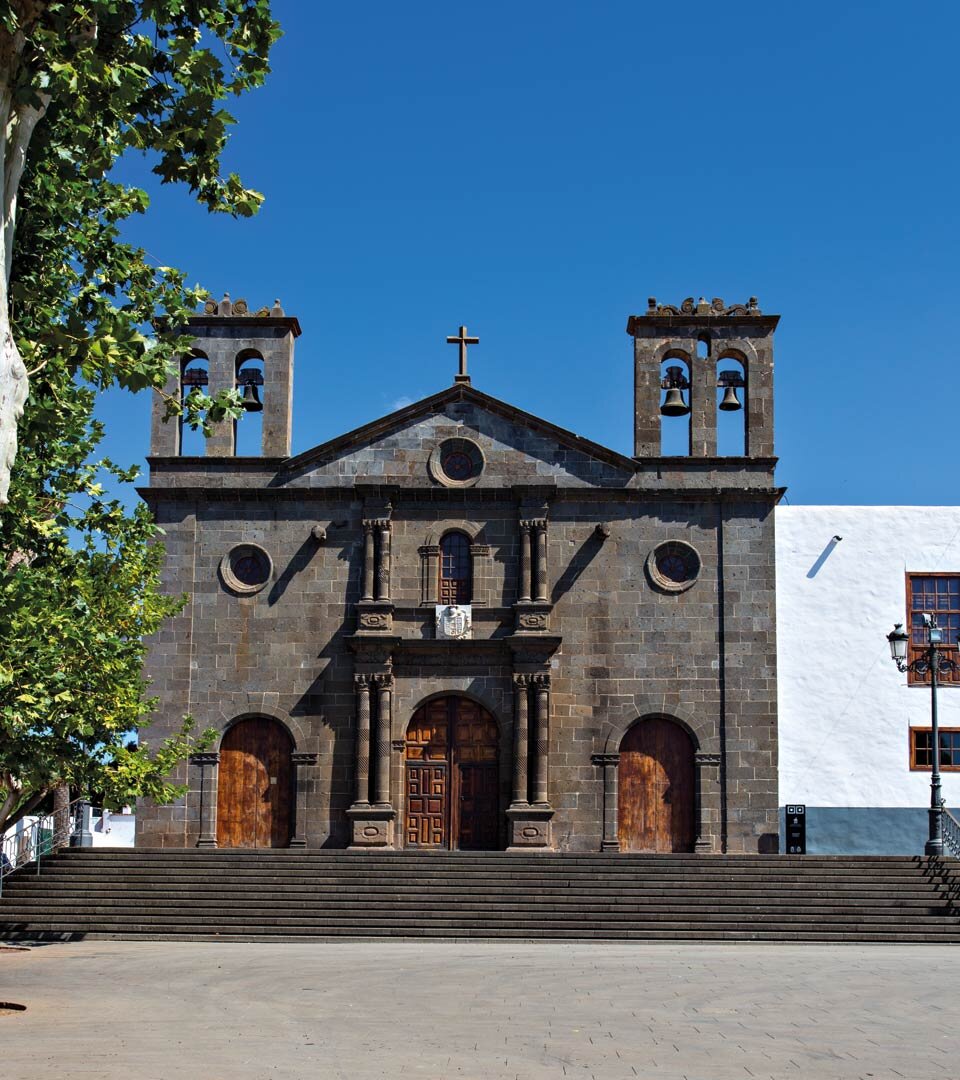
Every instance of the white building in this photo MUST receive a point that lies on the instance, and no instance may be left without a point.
(854, 731)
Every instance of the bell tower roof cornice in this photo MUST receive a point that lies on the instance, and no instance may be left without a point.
(701, 312)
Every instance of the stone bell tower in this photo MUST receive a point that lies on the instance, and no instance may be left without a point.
(234, 347)
(713, 347)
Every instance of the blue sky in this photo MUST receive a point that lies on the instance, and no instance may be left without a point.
(537, 170)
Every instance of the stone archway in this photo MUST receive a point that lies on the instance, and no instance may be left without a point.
(656, 788)
(451, 774)
(255, 785)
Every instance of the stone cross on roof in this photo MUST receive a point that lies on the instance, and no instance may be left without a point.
(463, 341)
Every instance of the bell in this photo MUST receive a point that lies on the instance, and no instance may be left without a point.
(730, 402)
(674, 404)
(251, 399)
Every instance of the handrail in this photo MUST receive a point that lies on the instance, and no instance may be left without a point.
(951, 833)
(44, 836)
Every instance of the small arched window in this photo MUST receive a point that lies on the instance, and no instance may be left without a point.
(456, 576)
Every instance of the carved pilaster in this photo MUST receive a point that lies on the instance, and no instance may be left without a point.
(521, 735)
(300, 761)
(526, 530)
(609, 763)
(207, 763)
(369, 557)
(480, 566)
(382, 526)
(384, 684)
(706, 796)
(362, 684)
(541, 688)
(540, 564)
(429, 573)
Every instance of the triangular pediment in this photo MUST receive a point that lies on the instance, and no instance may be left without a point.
(517, 448)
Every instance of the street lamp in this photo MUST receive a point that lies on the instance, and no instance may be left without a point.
(930, 660)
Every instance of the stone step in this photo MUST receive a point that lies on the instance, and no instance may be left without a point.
(321, 895)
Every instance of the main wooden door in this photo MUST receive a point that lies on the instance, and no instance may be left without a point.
(254, 786)
(655, 799)
(452, 783)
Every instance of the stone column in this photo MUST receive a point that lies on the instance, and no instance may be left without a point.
(429, 573)
(542, 745)
(208, 798)
(706, 807)
(609, 763)
(300, 762)
(384, 686)
(363, 739)
(383, 571)
(368, 560)
(540, 580)
(525, 560)
(521, 735)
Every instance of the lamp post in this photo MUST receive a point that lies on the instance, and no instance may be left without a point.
(932, 661)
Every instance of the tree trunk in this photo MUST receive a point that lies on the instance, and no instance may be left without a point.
(61, 815)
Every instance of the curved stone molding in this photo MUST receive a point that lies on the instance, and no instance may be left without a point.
(702, 732)
(466, 450)
(246, 569)
(677, 553)
(228, 718)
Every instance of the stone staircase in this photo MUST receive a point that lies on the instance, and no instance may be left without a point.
(290, 895)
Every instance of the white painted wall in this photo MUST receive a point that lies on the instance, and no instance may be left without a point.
(844, 709)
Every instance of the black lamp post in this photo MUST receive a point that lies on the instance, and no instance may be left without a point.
(932, 661)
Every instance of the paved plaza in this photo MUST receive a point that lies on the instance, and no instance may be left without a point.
(365, 1011)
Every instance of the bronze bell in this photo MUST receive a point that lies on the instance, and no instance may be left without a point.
(730, 402)
(674, 404)
(251, 399)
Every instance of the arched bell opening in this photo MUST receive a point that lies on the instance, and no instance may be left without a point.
(451, 776)
(675, 404)
(731, 406)
(248, 429)
(194, 379)
(656, 788)
(255, 785)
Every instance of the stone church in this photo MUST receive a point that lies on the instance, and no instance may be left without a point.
(463, 627)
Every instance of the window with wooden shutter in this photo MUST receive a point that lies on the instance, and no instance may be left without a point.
(456, 578)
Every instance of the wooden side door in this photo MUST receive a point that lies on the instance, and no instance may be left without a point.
(254, 786)
(655, 799)
(476, 796)
(427, 768)
(428, 801)
(478, 803)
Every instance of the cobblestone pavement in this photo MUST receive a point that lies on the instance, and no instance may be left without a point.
(365, 1011)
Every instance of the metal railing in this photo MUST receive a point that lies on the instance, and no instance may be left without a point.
(951, 834)
(44, 836)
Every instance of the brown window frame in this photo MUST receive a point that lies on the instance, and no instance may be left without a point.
(914, 767)
(465, 583)
(915, 651)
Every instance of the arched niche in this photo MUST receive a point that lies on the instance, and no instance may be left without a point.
(250, 380)
(194, 378)
(675, 383)
(732, 389)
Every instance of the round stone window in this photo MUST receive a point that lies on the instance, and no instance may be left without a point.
(246, 568)
(673, 566)
(456, 463)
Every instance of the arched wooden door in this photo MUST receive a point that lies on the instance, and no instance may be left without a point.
(655, 796)
(452, 786)
(254, 785)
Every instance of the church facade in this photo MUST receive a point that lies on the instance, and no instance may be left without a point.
(463, 627)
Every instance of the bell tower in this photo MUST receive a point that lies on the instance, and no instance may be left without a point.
(234, 347)
(697, 361)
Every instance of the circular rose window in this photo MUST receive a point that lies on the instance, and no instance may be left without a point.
(246, 568)
(456, 463)
(673, 566)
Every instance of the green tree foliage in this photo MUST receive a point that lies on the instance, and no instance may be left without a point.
(83, 82)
